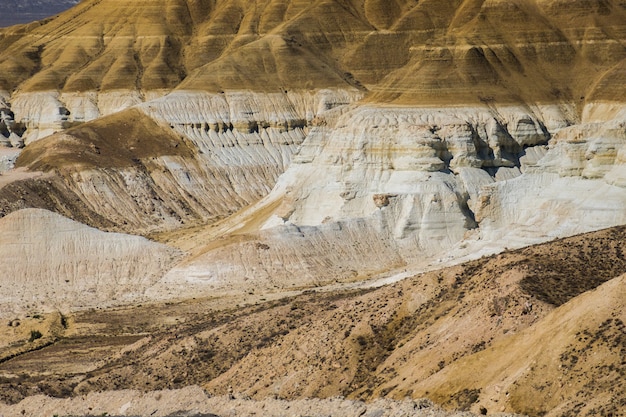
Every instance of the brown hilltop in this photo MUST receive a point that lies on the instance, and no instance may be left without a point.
(516, 51)
(409, 52)
(119, 140)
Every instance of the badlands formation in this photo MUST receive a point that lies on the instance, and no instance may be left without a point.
(165, 161)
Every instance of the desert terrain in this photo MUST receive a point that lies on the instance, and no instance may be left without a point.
(325, 207)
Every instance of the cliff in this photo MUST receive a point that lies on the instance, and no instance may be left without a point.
(274, 146)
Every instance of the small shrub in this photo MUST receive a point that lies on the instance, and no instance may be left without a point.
(34, 335)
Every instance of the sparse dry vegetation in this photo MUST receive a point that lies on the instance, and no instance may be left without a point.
(570, 267)
(361, 345)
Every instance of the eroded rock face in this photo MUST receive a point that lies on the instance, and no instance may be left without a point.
(50, 262)
(425, 129)
(588, 150)
(576, 186)
(418, 184)
(10, 132)
(434, 162)
(7, 159)
(374, 150)
(421, 187)
(187, 158)
(43, 113)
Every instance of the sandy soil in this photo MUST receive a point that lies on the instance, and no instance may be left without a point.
(193, 401)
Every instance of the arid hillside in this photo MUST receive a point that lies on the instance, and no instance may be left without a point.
(461, 51)
(310, 199)
(537, 331)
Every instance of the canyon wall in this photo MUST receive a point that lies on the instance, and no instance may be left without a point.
(286, 144)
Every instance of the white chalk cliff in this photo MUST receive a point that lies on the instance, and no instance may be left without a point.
(385, 188)
(309, 144)
(50, 262)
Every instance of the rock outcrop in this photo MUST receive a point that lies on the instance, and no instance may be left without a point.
(178, 161)
(52, 263)
(421, 187)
